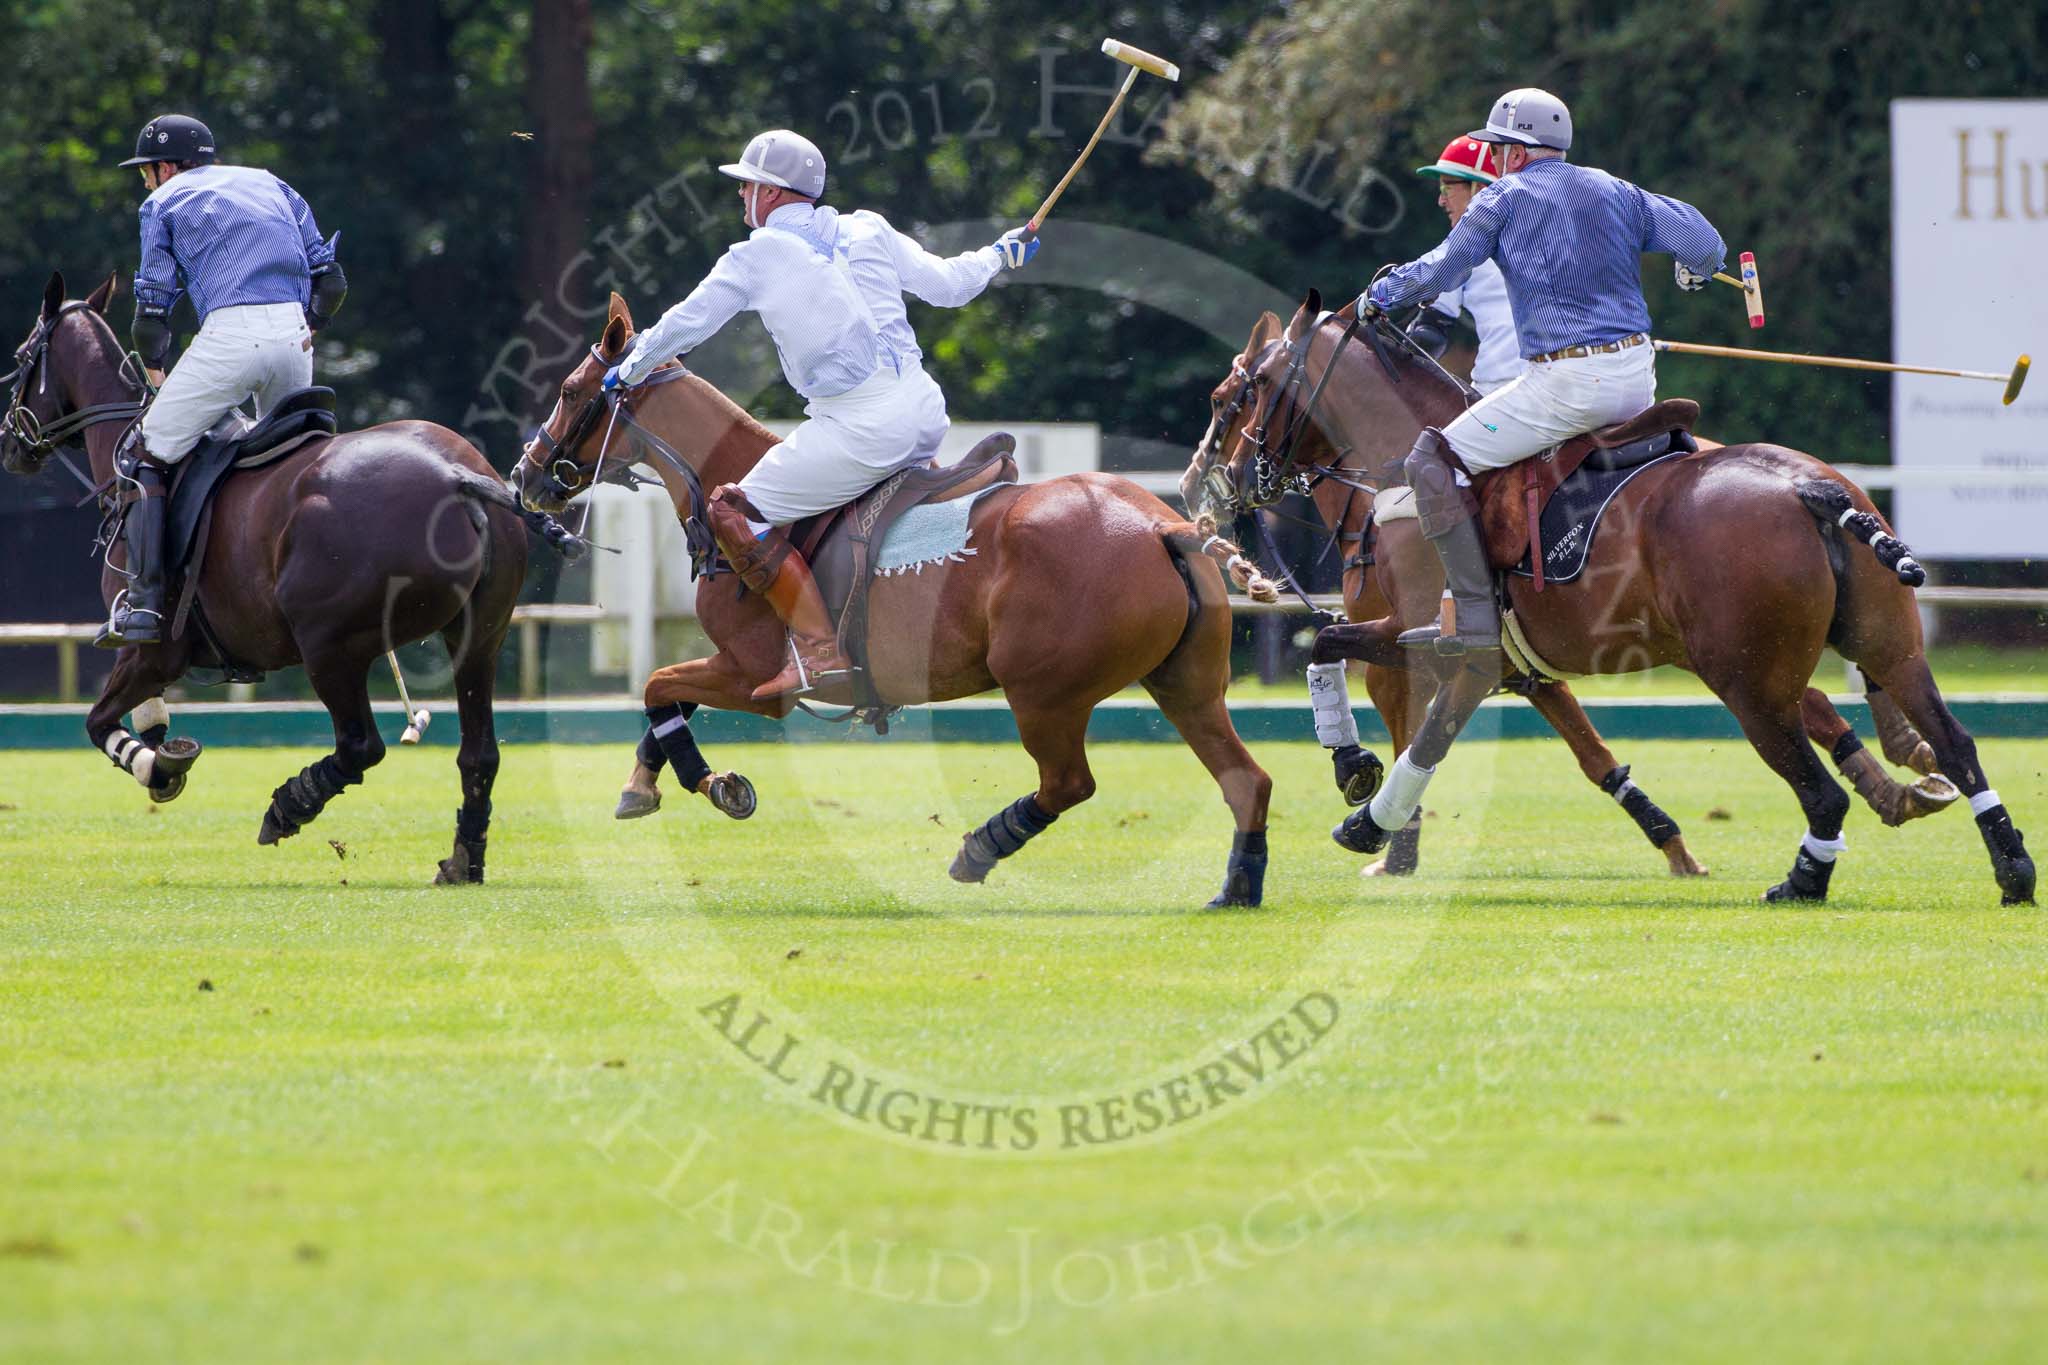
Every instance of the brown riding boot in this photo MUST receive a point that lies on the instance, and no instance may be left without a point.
(774, 568)
(814, 654)
(1449, 511)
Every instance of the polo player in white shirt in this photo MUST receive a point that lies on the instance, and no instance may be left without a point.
(1461, 172)
(829, 287)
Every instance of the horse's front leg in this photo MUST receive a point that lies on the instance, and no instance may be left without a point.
(1369, 641)
(158, 763)
(672, 696)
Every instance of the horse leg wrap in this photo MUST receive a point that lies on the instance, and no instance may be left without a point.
(668, 737)
(466, 863)
(1808, 880)
(1404, 850)
(303, 797)
(131, 756)
(2008, 849)
(1329, 696)
(1244, 877)
(1007, 831)
(1659, 828)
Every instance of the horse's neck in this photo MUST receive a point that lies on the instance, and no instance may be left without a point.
(94, 379)
(716, 436)
(1343, 506)
(1375, 418)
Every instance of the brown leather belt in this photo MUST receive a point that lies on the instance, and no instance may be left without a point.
(1574, 352)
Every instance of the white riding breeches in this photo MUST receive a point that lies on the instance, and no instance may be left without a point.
(848, 444)
(1551, 403)
(261, 351)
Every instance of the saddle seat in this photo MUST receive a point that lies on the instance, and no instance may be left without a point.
(1521, 512)
(235, 442)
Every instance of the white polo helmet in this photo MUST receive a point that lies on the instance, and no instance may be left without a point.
(780, 157)
(1531, 117)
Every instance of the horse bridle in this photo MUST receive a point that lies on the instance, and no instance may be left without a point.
(560, 471)
(1273, 470)
(20, 422)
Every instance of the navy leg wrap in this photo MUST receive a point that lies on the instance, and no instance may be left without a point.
(1244, 879)
(1007, 831)
(1845, 747)
(1659, 828)
(2009, 861)
(668, 736)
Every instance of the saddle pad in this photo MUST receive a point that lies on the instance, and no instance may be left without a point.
(930, 533)
(1573, 514)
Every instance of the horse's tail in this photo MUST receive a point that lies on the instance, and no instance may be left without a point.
(1830, 502)
(491, 493)
(1199, 537)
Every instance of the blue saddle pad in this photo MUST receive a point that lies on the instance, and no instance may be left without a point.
(1572, 516)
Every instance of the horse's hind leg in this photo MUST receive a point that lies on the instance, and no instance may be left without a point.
(476, 677)
(1556, 703)
(1779, 737)
(342, 684)
(1912, 686)
(1401, 705)
(1902, 744)
(1247, 789)
(1894, 802)
(1057, 739)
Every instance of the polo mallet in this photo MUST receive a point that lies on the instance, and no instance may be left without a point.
(1139, 60)
(2011, 381)
(415, 721)
(1752, 291)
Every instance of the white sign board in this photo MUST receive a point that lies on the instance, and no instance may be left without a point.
(1970, 291)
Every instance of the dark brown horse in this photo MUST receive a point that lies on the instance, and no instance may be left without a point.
(341, 550)
(1396, 575)
(1080, 587)
(1739, 563)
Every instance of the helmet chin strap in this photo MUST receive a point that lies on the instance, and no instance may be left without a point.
(753, 203)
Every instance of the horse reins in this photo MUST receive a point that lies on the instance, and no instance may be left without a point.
(21, 423)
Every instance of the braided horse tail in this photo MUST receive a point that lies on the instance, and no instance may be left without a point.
(1830, 502)
(1200, 537)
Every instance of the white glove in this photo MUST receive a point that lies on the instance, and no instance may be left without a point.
(1017, 246)
(1691, 281)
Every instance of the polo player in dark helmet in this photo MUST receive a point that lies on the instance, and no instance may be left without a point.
(242, 245)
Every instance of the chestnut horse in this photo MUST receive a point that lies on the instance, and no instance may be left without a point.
(1738, 563)
(1406, 581)
(339, 551)
(1080, 586)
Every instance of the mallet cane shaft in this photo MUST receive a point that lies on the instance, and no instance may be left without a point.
(2012, 381)
(415, 721)
(1139, 60)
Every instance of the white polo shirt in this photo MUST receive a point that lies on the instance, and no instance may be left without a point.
(1485, 297)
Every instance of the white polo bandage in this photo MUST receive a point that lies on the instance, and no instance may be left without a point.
(1825, 850)
(1401, 794)
(1985, 800)
(1329, 694)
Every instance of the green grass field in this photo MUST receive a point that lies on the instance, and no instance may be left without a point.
(1539, 1102)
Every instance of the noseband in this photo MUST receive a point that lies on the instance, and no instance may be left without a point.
(1273, 466)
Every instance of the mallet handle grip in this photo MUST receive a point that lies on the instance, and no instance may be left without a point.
(1075, 169)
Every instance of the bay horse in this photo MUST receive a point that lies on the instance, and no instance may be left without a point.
(339, 551)
(1080, 586)
(1738, 563)
(1396, 574)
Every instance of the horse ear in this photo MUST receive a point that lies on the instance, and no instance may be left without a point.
(53, 294)
(617, 333)
(618, 310)
(104, 295)
(1263, 333)
(1305, 317)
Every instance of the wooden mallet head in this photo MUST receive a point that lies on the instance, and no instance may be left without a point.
(1140, 58)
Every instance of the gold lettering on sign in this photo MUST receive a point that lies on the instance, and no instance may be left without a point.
(1995, 172)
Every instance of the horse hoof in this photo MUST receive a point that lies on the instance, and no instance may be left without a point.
(1922, 760)
(1383, 868)
(634, 803)
(734, 795)
(1931, 795)
(462, 867)
(969, 869)
(175, 756)
(168, 792)
(2016, 882)
(273, 829)
(1360, 833)
(1784, 893)
(1359, 773)
(1679, 858)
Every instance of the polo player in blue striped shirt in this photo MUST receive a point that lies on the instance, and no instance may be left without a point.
(1568, 239)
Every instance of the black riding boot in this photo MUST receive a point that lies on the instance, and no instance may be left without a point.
(1448, 511)
(138, 617)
